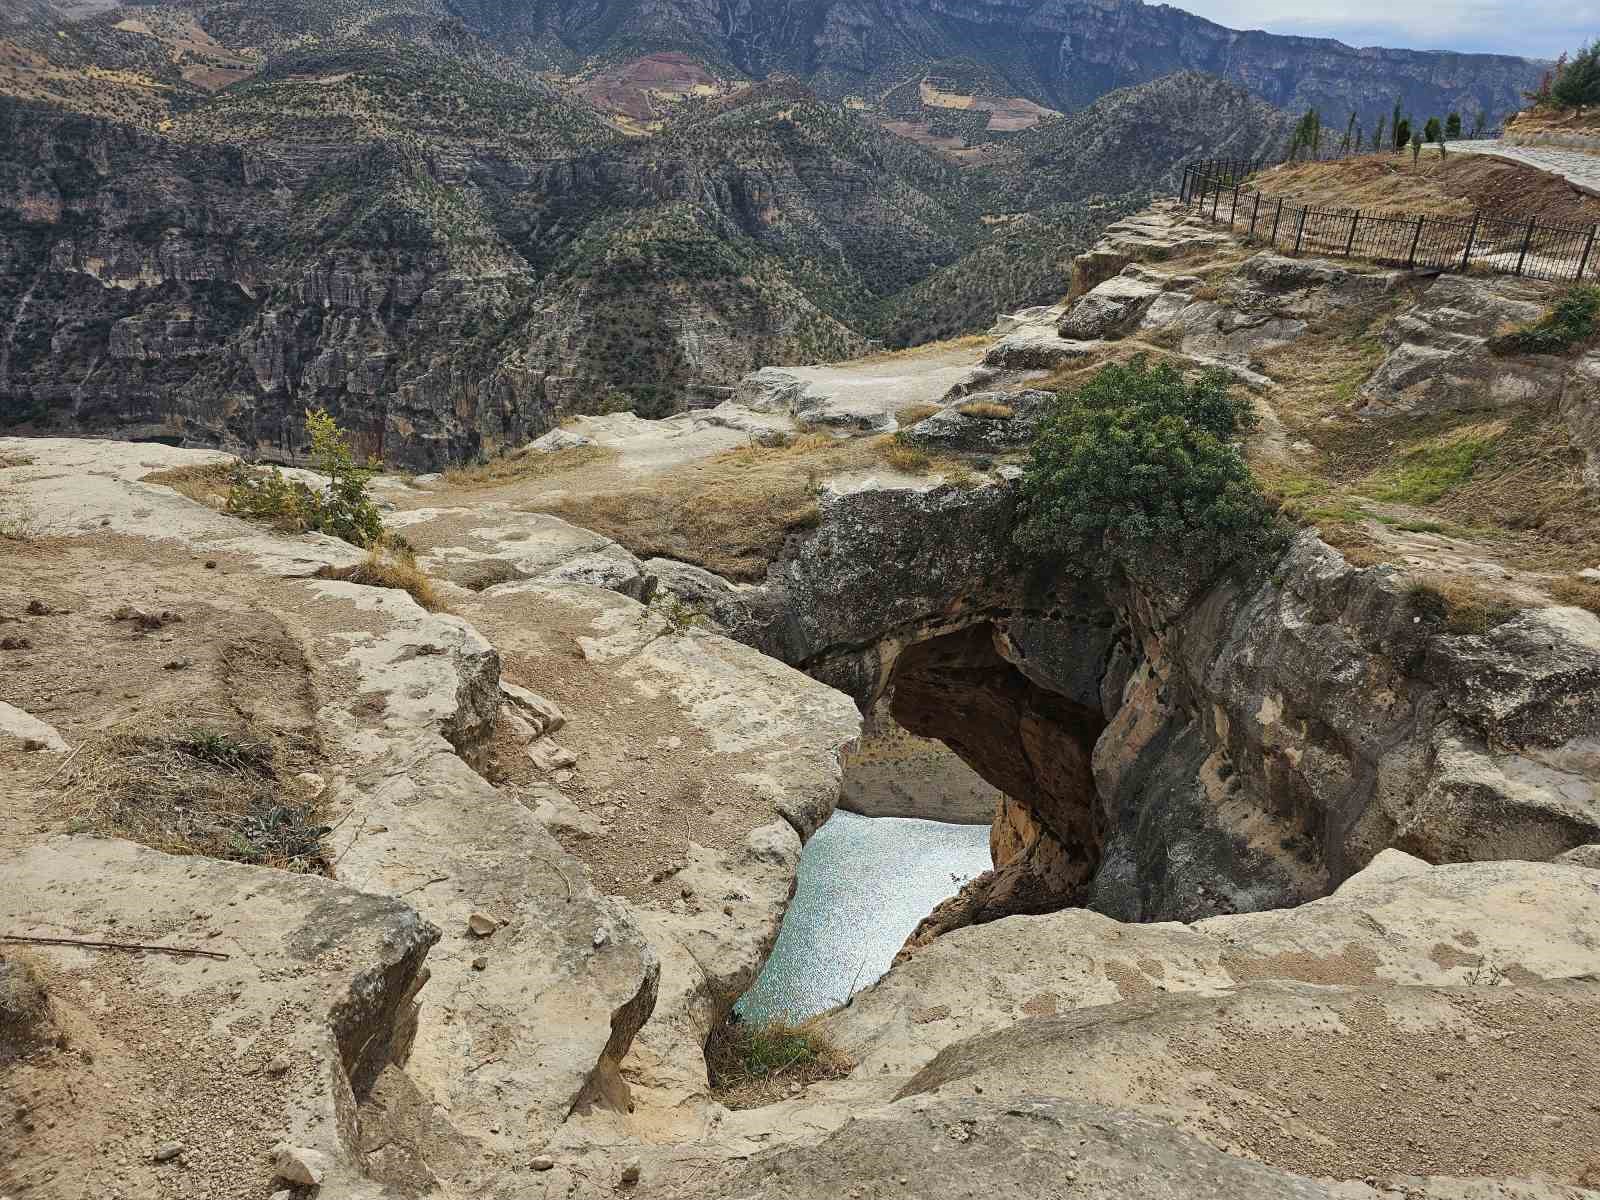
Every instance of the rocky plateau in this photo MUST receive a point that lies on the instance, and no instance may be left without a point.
(1294, 888)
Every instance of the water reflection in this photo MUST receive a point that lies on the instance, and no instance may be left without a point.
(864, 884)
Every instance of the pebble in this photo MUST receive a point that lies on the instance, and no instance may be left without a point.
(480, 963)
(482, 924)
(632, 1172)
(168, 1151)
(542, 1164)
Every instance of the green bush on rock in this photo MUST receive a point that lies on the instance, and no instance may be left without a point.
(1140, 470)
(1571, 321)
(344, 509)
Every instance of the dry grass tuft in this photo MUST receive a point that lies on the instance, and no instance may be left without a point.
(752, 1065)
(390, 564)
(481, 576)
(987, 410)
(208, 789)
(904, 457)
(912, 413)
(208, 484)
(1460, 605)
(1576, 591)
(8, 459)
(528, 464)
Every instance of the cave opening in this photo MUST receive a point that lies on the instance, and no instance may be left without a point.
(869, 886)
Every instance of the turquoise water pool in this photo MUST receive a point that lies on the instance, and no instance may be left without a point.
(864, 884)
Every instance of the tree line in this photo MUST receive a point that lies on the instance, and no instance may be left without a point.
(1394, 132)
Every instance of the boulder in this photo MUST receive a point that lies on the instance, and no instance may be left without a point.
(1580, 408)
(1439, 357)
(1036, 347)
(1112, 308)
(985, 422)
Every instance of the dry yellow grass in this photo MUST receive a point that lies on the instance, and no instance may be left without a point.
(987, 410)
(732, 512)
(906, 458)
(15, 460)
(1460, 605)
(1371, 183)
(912, 413)
(208, 484)
(390, 564)
(1578, 592)
(218, 789)
(968, 341)
(528, 465)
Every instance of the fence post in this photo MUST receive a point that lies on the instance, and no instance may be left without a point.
(1587, 247)
(1278, 216)
(1234, 211)
(1216, 201)
(1472, 236)
(1349, 242)
(1300, 231)
(1256, 212)
(1527, 240)
(1411, 261)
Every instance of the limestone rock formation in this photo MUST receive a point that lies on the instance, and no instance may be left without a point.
(1399, 922)
(349, 964)
(1440, 360)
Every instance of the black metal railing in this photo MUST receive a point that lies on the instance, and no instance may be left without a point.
(1219, 190)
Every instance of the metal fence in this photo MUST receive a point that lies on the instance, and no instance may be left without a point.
(1218, 190)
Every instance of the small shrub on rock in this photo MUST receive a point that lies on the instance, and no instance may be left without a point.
(751, 1063)
(1140, 470)
(343, 509)
(1569, 323)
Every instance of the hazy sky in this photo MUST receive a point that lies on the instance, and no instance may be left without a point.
(1536, 28)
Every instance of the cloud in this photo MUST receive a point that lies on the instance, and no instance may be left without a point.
(1535, 28)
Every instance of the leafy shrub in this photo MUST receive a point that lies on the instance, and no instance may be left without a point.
(1139, 469)
(344, 508)
(1571, 321)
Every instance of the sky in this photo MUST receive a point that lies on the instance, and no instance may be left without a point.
(1534, 28)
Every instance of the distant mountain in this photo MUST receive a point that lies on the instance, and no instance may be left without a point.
(452, 221)
(1060, 53)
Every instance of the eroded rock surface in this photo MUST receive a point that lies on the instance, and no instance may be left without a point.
(305, 993)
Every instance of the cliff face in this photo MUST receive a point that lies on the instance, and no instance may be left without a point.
(180, 290)
(442, 305)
